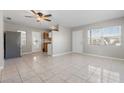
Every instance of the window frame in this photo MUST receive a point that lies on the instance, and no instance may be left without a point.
(89, 41)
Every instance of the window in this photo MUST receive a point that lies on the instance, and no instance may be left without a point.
(23, 38)
(105, 36)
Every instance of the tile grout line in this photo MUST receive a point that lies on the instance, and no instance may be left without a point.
(19, 73)
(35, 73)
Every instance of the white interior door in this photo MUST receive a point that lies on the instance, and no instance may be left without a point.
(77, 44)
(36, 41)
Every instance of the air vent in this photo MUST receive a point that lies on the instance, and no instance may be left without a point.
(8, 18)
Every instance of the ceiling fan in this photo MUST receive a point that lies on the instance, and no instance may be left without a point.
(39, 16)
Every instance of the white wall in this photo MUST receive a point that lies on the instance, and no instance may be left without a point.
(1, 41)
(15, 27)
(110, 51)
(62, 40)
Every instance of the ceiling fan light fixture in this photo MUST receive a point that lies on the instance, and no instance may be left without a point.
(40, 16)
(39, 19)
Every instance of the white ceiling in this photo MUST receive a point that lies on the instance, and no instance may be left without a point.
(67, 18)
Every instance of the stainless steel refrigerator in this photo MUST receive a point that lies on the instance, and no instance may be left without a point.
(12, 44)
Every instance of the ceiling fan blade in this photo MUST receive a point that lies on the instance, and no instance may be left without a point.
(29, 16)
(33, 12)
(47, 19)
(49, 15)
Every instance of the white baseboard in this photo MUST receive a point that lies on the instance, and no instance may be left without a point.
(26, 53)
(36, 51)
(1, 67)
(113, 58)
(76, 52)
(60, 54)
(30, 52)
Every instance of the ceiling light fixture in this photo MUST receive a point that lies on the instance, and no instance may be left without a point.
(54, 28)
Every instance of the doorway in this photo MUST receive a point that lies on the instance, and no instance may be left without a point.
(36, 41)
(77, 41)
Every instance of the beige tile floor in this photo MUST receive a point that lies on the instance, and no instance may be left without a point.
(70, 68)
